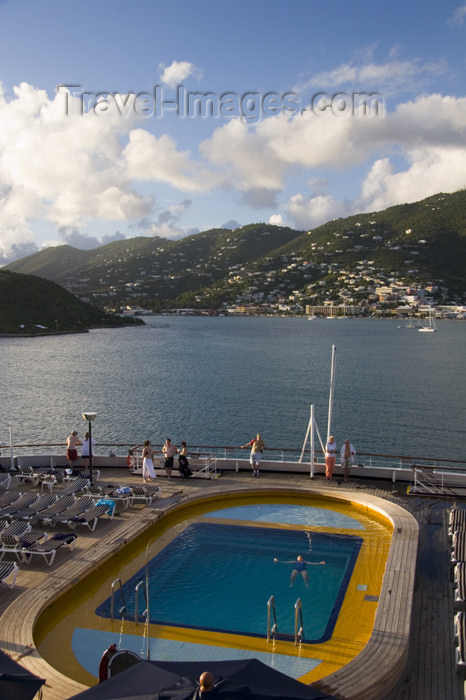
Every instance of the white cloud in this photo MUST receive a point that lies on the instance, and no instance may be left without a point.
(458, 17)
(388, 78)
(177, 72)
(158, 160)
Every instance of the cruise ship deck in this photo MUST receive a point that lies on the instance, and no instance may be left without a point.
(430, 671)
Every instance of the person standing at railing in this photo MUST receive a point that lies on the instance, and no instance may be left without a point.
(257, 447)
(347, 453)
(148, 471)
(86, 449)
(169, 451)
(72, 443)
(330, 457)
(183, 464)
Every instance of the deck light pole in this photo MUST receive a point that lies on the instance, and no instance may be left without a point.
(89, 416)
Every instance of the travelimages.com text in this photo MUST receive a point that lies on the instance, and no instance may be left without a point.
(250, 106)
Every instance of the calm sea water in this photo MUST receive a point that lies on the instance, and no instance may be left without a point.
(218, 381)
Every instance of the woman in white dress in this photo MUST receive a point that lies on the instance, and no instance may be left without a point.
(148, 471)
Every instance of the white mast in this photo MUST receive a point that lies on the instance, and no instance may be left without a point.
(330, 399)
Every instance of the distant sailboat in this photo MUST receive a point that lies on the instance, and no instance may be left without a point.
(430, 327)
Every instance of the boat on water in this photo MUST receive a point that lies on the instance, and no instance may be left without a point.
(430, 326)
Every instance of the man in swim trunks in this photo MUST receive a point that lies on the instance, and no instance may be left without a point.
(169, 451)
(299, 567)
(257, 447)
(71, 444)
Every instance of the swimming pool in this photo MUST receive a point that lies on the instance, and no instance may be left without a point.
(233, 568)
(191, 600)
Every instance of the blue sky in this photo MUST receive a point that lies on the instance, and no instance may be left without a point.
(286, 140)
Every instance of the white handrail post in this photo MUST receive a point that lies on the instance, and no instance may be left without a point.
(12, 458)
(330, 400)
(312, 443)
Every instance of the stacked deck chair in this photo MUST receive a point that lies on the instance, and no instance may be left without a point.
(457, 533)
(77, 508)
(49, 548)
(45, 501)
(19, 504)
(145, 493)
(7, 569)
(60, 505)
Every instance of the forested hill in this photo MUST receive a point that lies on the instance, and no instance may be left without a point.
(420, 244)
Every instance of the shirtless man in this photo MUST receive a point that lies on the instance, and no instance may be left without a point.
(169, 451)
(71, 444)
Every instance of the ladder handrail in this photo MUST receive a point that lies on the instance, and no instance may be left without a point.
(270, 609)
(298, 612)
(136, 601)
(123, 608)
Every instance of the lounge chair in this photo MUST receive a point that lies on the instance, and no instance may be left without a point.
(456, 520)
(7, 568)
(77, 508)
(458, 552)
(78, 484)
(94, 491)
(460, 640)
(91, 516)
(26, 473)
(60, 505)
(121, 495)
(8, 497)
(19, 504)
(45, 501)
(87, 474)
(13, 544)
(17, 527)
(459, 581)
(5, 480)
(145, 493)
(49, 548)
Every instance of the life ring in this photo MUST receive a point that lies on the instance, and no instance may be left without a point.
(103, 666)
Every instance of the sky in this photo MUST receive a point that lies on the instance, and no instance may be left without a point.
(123, 118)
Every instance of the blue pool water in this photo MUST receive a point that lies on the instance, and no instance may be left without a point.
(288, 514)
(219, 577)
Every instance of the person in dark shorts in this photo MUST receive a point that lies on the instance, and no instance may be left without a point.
(169, 451)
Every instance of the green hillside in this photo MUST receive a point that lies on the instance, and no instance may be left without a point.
(421, 244)
(33, 305)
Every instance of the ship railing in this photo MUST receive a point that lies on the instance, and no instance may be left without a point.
(54, 451)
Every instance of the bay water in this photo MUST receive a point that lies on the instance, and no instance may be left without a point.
(220, 380)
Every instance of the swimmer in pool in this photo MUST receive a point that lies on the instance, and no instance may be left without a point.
(299, 567)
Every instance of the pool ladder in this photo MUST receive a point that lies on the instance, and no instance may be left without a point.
(272, 630)
(117, 583)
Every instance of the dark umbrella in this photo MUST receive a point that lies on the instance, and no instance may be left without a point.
(16, 683)
(178, 680)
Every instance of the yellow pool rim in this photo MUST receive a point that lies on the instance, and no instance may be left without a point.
(388, 619)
